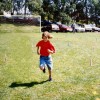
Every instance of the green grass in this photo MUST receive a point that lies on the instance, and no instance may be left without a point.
(76, 72)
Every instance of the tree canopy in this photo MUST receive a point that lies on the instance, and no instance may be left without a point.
(66, 11)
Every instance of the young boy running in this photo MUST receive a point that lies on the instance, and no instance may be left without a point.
(45, 49)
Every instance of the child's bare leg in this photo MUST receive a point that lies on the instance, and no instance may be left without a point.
(50, 78)
(43, 69)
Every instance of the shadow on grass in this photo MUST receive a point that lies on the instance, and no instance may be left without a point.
(16, 84)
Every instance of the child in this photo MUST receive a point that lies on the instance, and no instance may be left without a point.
(45, 49)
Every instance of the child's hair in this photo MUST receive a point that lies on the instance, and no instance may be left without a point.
(47, 34)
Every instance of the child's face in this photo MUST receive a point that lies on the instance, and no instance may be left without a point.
(45, 38)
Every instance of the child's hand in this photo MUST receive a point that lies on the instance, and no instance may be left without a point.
(38, 53)
(50, 51)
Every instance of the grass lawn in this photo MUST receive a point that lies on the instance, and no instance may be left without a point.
(76, 72)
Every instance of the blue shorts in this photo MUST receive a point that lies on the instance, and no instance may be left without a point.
(46, 61)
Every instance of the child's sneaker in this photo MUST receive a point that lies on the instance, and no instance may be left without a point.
(50, 79)
(44, 70)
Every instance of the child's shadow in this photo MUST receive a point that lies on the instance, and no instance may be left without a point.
(17, 84)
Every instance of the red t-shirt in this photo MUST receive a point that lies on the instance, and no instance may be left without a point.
(44, 46)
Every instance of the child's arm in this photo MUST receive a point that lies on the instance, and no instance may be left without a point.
(38, 50)
(50, 51)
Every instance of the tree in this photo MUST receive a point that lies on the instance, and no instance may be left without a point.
(96, 4)
(1, 6)
(5, 5)
(35, 6)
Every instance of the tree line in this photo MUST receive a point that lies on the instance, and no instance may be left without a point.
(65, 11)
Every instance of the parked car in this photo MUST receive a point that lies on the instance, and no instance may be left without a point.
(50, 28)
(79, 28)
(94, 28)
(45, 23)
(64, 28)
(88, 27)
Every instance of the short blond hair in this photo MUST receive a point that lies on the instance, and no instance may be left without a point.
(47, 34)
